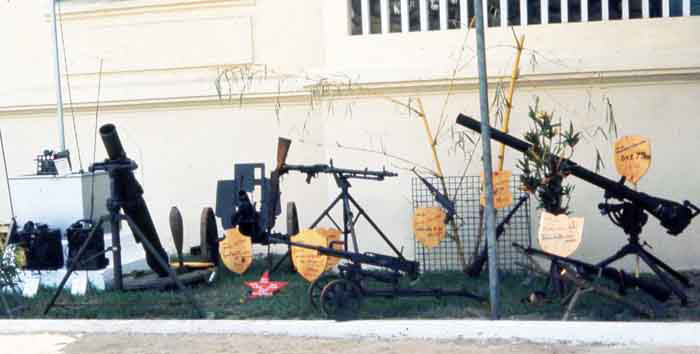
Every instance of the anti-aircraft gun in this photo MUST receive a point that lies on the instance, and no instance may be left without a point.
(630, 214)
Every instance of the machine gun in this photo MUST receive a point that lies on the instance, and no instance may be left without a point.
(624, 280)
(312, 170)
(396, 264)
(630, 214)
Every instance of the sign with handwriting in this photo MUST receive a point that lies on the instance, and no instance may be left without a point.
(429, 226)
(333, 241)
(560, 234)
(502, 195)
(310, 264)
(236, 251)
(632, 157)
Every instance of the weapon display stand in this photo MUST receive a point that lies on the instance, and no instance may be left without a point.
(115, 217)
(631, 218)
(349, 219)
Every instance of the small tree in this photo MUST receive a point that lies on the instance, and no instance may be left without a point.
(542, 169)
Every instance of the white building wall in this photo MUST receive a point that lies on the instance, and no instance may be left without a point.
(161, 59)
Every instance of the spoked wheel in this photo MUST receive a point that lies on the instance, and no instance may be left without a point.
(317, 286)
(341, 299)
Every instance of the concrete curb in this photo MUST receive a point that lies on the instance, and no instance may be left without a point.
(575, 333)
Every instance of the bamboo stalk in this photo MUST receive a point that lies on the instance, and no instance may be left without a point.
(509, 99)
(433, 143)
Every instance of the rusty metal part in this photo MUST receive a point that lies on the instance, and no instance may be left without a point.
(177, 230)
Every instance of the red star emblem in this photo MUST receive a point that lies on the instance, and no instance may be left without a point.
(264, 287)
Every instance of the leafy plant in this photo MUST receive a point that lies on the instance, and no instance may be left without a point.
(543, 166)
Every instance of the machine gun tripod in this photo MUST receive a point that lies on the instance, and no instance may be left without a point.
(632, 218)
(342, 177)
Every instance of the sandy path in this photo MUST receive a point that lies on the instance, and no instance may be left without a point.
(201, 344)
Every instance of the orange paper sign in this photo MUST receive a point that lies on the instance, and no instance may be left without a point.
(502, 195)
(429, 226)
(332, 237)
(236, 251)
(632, 157)
(310, 264)
(560, 234)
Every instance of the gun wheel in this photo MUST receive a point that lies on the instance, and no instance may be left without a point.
(341, 299)
(317, 286)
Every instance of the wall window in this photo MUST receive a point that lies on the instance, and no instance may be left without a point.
(395, 16)
(554, 11)
(413, 15)
(494, 13)
(676, 8)
(433, 15)
(375, 16)
(453, 14)
(534, 16)
(615, 9)
(380, 16)
(355, 16)
(635, 8)
(574, 10)
(513, 12)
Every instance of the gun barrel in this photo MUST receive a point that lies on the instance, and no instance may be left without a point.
(113, 145)
(323, 168)
(379, 260)
(673, 216)
(621, 278)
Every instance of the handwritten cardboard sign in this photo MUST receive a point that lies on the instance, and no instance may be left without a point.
(632, 157)
(236, 251)
(429, 226)
(502, 195)
(310, 264)
(560, 234)
(332, 237)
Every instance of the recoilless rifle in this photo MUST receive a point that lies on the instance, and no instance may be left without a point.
(630, 214)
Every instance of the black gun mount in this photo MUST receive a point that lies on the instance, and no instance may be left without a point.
(673, 216)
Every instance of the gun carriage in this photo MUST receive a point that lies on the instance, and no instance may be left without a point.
(339, 295)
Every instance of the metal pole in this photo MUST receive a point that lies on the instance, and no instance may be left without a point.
(7, 177)
(486, 147)
(57, 68)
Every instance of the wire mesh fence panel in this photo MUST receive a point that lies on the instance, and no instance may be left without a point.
(465, 191)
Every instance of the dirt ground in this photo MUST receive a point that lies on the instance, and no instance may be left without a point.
(201, 344)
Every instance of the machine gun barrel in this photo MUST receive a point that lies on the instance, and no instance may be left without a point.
(477, 265)
(675, 217)
(312, 170)
(621, 278)
(379, 260)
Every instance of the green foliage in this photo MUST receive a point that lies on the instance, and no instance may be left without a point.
(9, 273)
(542, 167)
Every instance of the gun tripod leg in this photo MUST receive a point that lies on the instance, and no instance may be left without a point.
(664, 278)
(624, 251)
(74, 264)
(681, 278)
